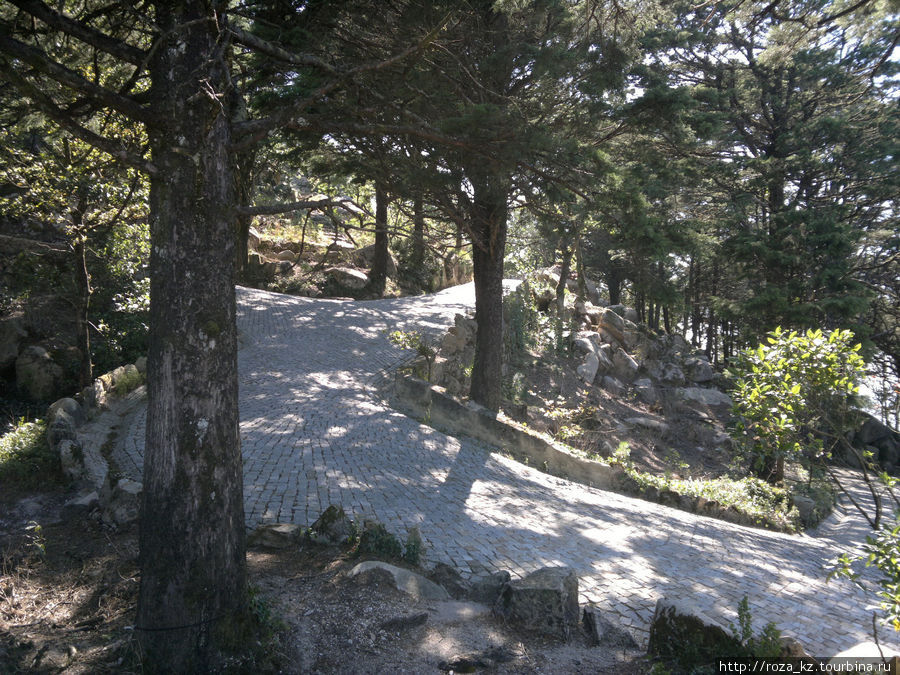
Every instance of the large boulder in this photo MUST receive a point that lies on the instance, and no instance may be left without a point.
(38, 376)
(409, 582)
(332, 527)
(545, 601)
(12, 332)
(628, 313)
(365, 257)
(587, 371)
(697, 369)
(679, 631)
(883, 441)
(124, 504)
(704, 396)
(624, 366)
(347, 277)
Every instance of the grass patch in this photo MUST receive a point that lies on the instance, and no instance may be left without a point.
(26, 460)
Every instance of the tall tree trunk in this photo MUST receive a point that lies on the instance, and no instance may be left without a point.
(488, 225)
(580, 278)
(418, 234)
(244, 162)
(614, 285)
(83, 327)
(193, 595)
(563, 278)
(378, 272)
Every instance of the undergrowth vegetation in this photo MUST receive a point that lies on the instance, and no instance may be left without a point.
(26, 460)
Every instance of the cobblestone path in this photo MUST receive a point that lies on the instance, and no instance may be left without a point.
(314, 433)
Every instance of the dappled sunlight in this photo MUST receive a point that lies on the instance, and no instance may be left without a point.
(313, 434)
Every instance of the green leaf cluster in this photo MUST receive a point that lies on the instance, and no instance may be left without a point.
(794, 394)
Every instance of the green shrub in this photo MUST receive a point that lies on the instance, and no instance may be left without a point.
(412, 552)
(793, 397)
(375, 541)
(26, 461)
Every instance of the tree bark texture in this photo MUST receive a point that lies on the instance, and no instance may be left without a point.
(488, 224)
(193, 586)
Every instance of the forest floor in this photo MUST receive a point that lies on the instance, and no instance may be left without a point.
(68, 593)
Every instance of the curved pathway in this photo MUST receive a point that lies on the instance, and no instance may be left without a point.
(314, 434)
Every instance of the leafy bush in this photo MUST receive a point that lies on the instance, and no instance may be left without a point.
(792, 397)
(377, 542)
(412, 551)
(26, 461)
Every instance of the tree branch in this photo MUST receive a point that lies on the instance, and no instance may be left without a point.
(49, 108)
(41, 62)
(257, 44)
(76, 29)
(254, 130)
(272, 209)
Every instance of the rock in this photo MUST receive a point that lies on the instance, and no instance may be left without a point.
(50, 316)
(587, 371)
(545, 601)
(585, 342)
(487, 588)
(94, 396)
(612, 321)
(451, 580)
(71, 459)
(648, 423)
(347, 277)
(409, 582)
(593, 291)
(124, 504)
(678, 629)
(704, 396)
(37, 375)
(287, 256)
(625, 312)
(670, 374)
(604, 633)
(70, 407)
(83, 504)
(400, 624)
(791, 648)
(276, 535)
(624, 367)
(141, 365)
(365, 257)
(332, 527)
(612, 385)
(253, 238)
(697, 369)
(646, 392)
(806, 507)
(12, 332)
(452, 343)
(62, 427)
